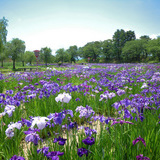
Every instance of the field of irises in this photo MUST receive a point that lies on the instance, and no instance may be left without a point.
(93, 112)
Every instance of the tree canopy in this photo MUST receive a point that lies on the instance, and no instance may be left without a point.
(3, 36)
(14, 49)
(46, 54)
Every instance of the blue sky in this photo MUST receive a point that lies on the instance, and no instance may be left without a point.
(62, 23)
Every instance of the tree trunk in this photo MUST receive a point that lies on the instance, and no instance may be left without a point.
(14, 64)
(2, 63)
(23, 63)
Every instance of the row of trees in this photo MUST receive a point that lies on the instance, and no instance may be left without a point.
(123, 47)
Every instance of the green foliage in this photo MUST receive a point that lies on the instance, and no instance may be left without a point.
(29, 57)
(153, 48)
(62, 56)
(92, 50)
(73, 52)
(46, 54)
(14, 48)
(3, 35)
(107, 46)
(120, 37)
(133, 51)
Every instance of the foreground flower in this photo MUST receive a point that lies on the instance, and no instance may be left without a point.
(32, 136)
(10, 130)
(44, 150)
(63, 97)
(82, 151)
(139, 139)
(9, 109)
(40, 122)
(54, 155)
(85, 111)
(89, 131)
(60, 140)
(144, 86)
(140, 157)
(89, 141)
(17, 158)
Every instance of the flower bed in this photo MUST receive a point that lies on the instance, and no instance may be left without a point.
(55, 111)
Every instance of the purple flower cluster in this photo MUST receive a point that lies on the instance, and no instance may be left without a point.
(140, 157)
(15, 157)
(89, 141)
(32, 136)
(61, 141)
(139, 139)
(82, 151)
(86, 112)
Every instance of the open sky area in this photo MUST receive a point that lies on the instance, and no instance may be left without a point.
(63, 23)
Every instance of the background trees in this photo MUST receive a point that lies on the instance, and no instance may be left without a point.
(73, 52)
(123, 47)
(3, 35)
(46, 54)
(92, 50)
(108, 50)
(29, 57)
(62, 56)
(153, 48)
(120, 37)
(14, 48)
(133, 51)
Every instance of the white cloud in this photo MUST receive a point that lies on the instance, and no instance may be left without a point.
(63, 38)
(154, 36)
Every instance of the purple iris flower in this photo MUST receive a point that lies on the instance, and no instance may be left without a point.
(60, 141)
(9, 109)
(139, 139)
(32, 136)
(10, 91)
(89, 131)
(71, 125)
(121, 122)
(77, 99)
(109, 119)
(85, 111)
(44, 150)
(70, 112)
(54, 155)
(17, 158)
(89, 141)
(140, 157)
(26, 122)
(82, 151)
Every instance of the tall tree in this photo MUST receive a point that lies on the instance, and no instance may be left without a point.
(119, 39)
(14, 49)
(107, 50)
(3, 35)
(145, 37)
(133, 51)
(29, 57)
(60, 55)
(46, 54)
(73, 51)
(92, 50)
(153, 48)
(130, 35)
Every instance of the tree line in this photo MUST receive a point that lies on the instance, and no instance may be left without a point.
(123, 47)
